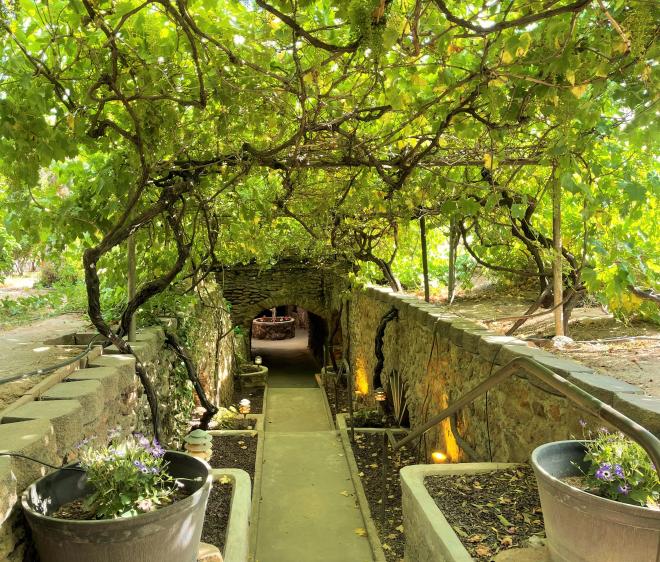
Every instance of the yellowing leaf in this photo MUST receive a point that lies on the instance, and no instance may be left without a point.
(488, 161)
(164, 32)
(578, 91)
(360, 532)
(507, 57)
(570, 76)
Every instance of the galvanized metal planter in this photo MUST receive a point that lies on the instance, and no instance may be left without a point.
(170, 534)
(582, 527)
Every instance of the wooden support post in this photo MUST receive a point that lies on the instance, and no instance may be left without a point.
(557, 281)
(425, 263)
(130, 254)
(451, 274)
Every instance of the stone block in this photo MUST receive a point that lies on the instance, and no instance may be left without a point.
(64, 415)
(443, 324)
(88, 393)
(459, 327)
(34, 438)
(472, 339)
(125, 363)
(8, 491)
(490, 345)
(603, 387)
(645, 410)
(112, 380)
(562, 366)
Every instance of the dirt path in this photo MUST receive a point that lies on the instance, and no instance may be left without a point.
(636, 361)
(22, 348)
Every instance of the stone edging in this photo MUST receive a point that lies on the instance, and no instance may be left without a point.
(326, 403)
(372, 533)
(238, 528)
(626, 398)
(429, 536)
(258, 473)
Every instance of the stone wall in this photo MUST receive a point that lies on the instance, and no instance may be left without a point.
(106, 393)
(250, 289)
(440, 357)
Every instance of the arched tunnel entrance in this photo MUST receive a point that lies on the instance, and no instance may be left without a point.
(288, 327)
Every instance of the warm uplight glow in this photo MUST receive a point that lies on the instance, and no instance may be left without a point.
(361, 376)
(438, 457)
(258, 360)
(379, 395)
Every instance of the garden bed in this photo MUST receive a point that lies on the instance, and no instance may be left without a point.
(229, 451)
(490, 511)
(254, 395)
(367, 450)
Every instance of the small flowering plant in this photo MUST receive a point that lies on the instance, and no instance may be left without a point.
(620, 469)
(128, 477)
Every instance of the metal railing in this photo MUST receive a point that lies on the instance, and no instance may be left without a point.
(592, 405)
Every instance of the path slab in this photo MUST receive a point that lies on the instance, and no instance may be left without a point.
(308, 510)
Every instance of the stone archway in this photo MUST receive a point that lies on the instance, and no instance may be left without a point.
(249, 289)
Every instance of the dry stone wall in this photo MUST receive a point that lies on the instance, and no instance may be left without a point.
(104, 392)
(440, 357)
(250, 289)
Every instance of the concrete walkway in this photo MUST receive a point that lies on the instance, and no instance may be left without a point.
(308, 509)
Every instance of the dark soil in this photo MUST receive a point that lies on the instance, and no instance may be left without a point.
(367, 449)
(229, 451)
(74, 510)
(492, 511)
(254, 395)
(337, 397)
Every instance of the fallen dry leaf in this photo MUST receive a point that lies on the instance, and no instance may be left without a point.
(360, 532)
(482, 550)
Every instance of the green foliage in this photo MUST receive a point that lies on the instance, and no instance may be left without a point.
(128, 477)
(621, 470)
(301, 145)
(226, 417)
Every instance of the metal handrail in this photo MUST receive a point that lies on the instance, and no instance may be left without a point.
(649, 442)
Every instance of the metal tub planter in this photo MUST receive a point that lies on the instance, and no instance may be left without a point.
(582, 527)
(169, 534)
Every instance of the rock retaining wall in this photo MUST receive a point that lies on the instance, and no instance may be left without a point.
(103, 393)
(440, 357)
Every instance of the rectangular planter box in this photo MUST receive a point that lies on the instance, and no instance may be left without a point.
(237, 537)
(429, 536)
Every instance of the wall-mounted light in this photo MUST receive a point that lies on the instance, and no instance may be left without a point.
(258, 360)
(438, 457)
(379, 394)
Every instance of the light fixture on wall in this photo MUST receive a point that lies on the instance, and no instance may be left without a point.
(379, 394)
(258, 360)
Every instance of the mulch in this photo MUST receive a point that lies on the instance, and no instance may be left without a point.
(229, 451)
(367, 450)
(492, 511)
(338, 400)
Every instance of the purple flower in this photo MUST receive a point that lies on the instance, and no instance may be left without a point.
(618, 470)
(583, 423)
(140, 465)
(604, 472)
(142, 440)
(155, 470)
(604, 430)
(624, 489)
(156, 451)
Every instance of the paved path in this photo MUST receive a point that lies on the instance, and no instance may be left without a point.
(308, 508)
